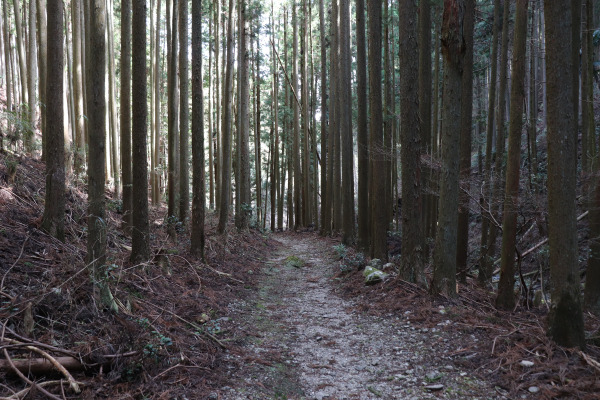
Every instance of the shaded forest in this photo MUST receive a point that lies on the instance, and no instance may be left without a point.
(153, 152)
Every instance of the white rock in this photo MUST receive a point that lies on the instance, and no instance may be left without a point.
(533, 389)
(436, 387)
(526, 363)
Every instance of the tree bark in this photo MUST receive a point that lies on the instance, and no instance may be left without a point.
(506, 298)
(243, 195)
(325, 209)
(565, 320)
(32, 72)
(184, 114)
(198, 186)
(444, 255)
(377, 184)
(140, 247)
(347, 140)
(226, 128)
(425, 96)
(410, 153)
(173, 201)
(54, 210)
(96, 79)
(466, 121)
(126, 114)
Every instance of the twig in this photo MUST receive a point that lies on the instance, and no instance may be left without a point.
(180, 366)
(496, 338)
(590, 361)
(26, 380)
(56, 365)
(207, 267)
(23, 393)
(196, 326)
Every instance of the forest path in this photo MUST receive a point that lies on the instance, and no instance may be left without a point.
(303, 341)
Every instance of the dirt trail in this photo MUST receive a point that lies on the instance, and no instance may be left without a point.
(306, 342)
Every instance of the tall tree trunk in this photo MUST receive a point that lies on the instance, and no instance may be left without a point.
(296, 138)
(332, 197)
(112, 86)
(126, 113)
(54, 210)
(498, 183)
(466, 121)
(565, 320)
(157, 110)
(173, 183)
(588, 129)
(20, 44)
(336, 131)
(485, 272)
(79, 139)
(243, 195)
(140, 234)
(592, 282)
(444, 255)
(198, 197)
(377, 182)
(211, 129)
(506, 298)
(325, 161)
(184, 114)
(257, 161)
(347, 139)
(218, 106)
(32, 72)
(305, 119)
(8, 63)
(425, 79)
(412, 233)
(226, 128)
(96, 75)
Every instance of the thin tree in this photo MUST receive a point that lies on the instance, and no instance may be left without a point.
(226, 128)
(126, 113)
(565, 320)
(198, 189)
(495, 199)
(325, 210)
(506, 299)
(140, 235)
(425, 93)
(7, 61)
(243, 195)
(347, 138)
(377, 184)
(32, 70)
(54, 210)
(296, 136)
(444, 255)
(410, 153)
(173, 179)
(257, 162)
(96, 75)
(466, 122)
(184, 114)
(485, 273)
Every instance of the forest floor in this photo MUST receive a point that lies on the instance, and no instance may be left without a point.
(265, 316)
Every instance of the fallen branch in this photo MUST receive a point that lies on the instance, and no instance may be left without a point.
(590, 361)
(192, 324)
(42, 365)
(208, 267)
(537, 246)
(23, 393)
(27, 380)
